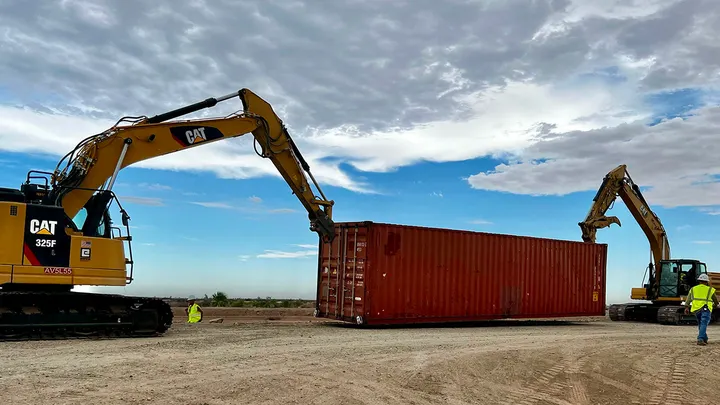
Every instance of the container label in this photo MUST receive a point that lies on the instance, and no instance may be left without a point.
(596, 296)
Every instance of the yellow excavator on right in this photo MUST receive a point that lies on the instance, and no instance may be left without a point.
(669, 280)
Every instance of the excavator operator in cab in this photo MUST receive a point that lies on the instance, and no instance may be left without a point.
(686, 280)
(193, 311)
(700, 302)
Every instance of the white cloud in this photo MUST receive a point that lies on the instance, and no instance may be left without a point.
(577, 161)
(702, 242)
(437, 194)
(244, 258)
(710, 211)
(156, 202)
(281, 210)
(213, 204)
(155, 186)
(404, 92)
(504, 120)
(244, 208)
(278, 254)
(255, 199)
(480, 222)
(308, 251)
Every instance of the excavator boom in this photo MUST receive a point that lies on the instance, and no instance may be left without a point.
(618, 183)
(95, 162)
(59, 234)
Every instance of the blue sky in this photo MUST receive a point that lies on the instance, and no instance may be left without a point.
(182, 248)
(402, 121)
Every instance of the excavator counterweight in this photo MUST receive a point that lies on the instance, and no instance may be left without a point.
(669, 279)
(59, 233)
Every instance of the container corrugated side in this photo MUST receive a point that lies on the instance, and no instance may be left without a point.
(714, 280)
(376, 273)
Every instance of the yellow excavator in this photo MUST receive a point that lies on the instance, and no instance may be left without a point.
(669, 280)
(57, 233)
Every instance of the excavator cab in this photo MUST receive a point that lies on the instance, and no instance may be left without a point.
(676, 278)
(688, 272)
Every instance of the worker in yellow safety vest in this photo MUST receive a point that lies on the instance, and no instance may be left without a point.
(700, 302)
(193, 311)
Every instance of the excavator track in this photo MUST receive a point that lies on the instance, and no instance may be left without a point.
(40, 315)
(633, 312)
(617, 312)
(674, 315)
(664, 315)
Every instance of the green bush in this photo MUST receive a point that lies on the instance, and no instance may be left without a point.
(220, 299)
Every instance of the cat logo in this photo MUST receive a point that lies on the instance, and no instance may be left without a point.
(43, 227)
(190, 135)
(196, 135)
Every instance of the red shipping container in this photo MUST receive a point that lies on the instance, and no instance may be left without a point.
(374, 273)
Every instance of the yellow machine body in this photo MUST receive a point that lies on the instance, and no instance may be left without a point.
(669, 279)
(36, 250)
(59, 234)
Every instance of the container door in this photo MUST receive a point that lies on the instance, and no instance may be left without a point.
(356, 247)
(329, 262)
(341, 291)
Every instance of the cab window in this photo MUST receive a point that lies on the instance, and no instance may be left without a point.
(79, 221)
(80, 218)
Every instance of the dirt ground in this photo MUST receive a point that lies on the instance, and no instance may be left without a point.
(250, 359)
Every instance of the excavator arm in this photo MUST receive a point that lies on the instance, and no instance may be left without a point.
(92, 167)
(618, 183)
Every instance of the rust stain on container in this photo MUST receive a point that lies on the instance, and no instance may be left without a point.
(375, 273)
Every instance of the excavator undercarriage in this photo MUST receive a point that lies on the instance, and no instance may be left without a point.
(659, 313)
(36, 297)
(31, 315)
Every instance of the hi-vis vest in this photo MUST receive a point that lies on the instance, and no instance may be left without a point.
(702, 295)
(194, 314)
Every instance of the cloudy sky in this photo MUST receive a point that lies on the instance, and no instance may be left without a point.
(488, 115)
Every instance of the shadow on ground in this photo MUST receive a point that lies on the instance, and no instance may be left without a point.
(464, 324)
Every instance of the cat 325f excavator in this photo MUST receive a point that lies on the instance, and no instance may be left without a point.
(669, 280)
(56, 231)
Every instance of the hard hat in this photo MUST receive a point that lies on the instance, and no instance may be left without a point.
(703, 277)
(190, 298)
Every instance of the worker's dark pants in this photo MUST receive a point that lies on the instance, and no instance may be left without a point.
(703, 318)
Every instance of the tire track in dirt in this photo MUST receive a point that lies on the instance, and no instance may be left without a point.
(619, 385)
(540, 386)
(423, 378)
(308, 364)
(578, 391)
(670, 390)
(547, 388)
(573, 363)
(658, 395)
(674, 394)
